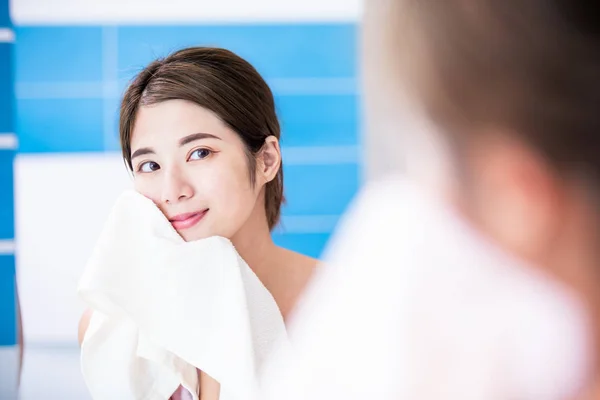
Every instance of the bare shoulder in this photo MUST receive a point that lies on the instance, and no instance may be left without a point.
(288, 278)
(84, 323)
(298, 265)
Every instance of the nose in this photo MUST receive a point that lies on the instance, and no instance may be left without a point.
(175, 187)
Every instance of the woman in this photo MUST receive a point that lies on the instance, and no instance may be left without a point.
(491, 289)
(199, 132)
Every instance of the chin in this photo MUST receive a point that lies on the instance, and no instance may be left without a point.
(192, 236)
(203, 232)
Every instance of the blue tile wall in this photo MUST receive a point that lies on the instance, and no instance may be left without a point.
(59, 54)
(4, 14)
(6, 87)
(282, 51)
(69, 80)
(7, 221)
(8, 305)
(8, 315)
(60, 125)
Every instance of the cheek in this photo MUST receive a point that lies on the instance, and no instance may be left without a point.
(230, 192)
(148, 187)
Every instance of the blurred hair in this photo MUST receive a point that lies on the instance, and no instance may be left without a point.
(528, 68)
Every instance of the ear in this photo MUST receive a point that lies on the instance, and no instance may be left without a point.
(516, 197)
(270, 159)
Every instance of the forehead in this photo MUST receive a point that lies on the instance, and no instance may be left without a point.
(168, 121)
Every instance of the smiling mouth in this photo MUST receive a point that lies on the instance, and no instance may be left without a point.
(186, 221)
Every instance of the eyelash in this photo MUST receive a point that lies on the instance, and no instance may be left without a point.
(210, 152)
(141, 165)
(139, 168)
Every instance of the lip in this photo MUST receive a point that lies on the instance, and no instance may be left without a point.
(187, 220)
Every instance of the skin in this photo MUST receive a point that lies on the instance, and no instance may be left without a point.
(186, 160)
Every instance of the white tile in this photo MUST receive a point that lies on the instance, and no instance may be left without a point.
(157, 11)
(57, 224)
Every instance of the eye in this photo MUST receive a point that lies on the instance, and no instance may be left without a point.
(148, 166)
(199, 154)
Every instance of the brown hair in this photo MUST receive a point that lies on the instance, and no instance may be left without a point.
(529, 67)
(222, 82)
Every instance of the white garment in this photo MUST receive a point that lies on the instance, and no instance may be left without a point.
(164, 307)
(414, 305)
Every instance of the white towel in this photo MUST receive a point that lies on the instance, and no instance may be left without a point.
(164, 307)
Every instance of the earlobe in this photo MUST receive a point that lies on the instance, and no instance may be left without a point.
(519, 200)
(271, 158)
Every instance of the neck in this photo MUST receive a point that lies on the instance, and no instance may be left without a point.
(253, 241)
(573, 259)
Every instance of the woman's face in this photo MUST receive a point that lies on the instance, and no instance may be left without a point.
(194, 168)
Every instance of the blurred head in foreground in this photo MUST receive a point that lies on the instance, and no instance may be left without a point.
(497, 104)
(511, 90)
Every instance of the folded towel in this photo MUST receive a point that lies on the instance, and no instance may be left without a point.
(164, 308)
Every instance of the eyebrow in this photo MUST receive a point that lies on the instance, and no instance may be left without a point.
(182, 142)
(142, 151)
(196, 136)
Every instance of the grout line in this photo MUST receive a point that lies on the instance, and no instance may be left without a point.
(7, 35)
(7, 247)
(8, 141)
(110, 86)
